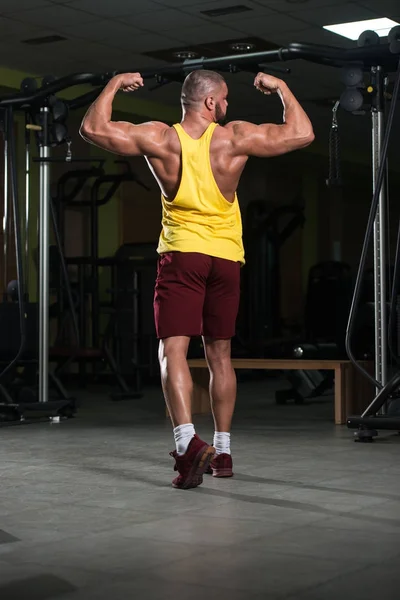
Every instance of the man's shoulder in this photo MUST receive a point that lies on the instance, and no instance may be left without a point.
(157, 125)
(160, 131)
(234, 126)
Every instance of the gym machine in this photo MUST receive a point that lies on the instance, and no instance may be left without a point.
(110, 183)
(87, 295)
(18, 316)
(371, 56)
(265, 232)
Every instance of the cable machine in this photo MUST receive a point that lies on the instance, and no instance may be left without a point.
(378, 59)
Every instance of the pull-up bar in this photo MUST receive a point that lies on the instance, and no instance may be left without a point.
(367, 56)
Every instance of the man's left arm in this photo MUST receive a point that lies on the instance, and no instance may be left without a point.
(121, 137)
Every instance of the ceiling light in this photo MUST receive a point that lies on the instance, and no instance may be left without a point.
(242, 47)
(185, 54)
(352, 31)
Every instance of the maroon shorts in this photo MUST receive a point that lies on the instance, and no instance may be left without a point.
(196, 294)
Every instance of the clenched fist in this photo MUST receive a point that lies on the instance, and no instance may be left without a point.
(130, 82)
(267, 84)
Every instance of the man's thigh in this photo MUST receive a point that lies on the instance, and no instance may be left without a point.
(222, 297)
(179, 293)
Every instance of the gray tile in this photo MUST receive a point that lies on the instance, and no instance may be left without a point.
(39, 587)
(167, 501)
(326, 501)
(203, 530)
(355, 546)
(378, 581)
(7, 538)
(53, 522)
(257, 571)
(159, 589)
(116, 553)
(42, 580)
(386, 512)
(318, 502)
(92, 505)
(364, 484)
(362, 521)
(244, 508)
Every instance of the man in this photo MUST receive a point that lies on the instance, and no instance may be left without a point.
(197, 165)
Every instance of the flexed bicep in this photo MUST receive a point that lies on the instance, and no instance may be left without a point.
(270, 139)
(120, 137)
(127, 139)
(266, 140)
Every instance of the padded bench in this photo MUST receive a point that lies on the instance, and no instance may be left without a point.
(353, 392)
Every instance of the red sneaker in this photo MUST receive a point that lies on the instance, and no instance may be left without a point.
(192, 464)
(221, 466)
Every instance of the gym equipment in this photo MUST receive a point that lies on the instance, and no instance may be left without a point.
(83, 353)
(111, 183)
(328, 300)
(376, 58)
(329, 292)
(376, 416)
(265, 233)
(134, 330)
(18, 316)
(88, 303)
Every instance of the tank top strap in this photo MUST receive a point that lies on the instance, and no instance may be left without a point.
(186, 139)
(207, 135)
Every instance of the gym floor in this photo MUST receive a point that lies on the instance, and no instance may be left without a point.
(87, 509)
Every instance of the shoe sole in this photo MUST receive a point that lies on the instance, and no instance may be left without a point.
(199, 467)
(222, 473)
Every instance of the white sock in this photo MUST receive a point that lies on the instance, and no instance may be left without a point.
(183, 435)
(222, 442)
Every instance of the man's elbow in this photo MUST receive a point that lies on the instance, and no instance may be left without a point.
(310, 137)
(305, 138)
(85, 131)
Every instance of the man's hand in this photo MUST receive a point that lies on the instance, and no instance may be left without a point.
(130, 82)
(267, 84)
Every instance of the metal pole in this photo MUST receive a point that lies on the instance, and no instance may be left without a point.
(5, 214)
(379, 236)
(44, 261)
(27, 209)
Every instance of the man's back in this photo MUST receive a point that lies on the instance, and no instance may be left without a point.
(231, 145)
(167, 166)
(196, 215)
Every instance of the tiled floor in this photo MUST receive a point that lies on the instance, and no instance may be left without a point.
(88, 512)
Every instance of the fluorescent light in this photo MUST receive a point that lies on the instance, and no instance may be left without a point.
(354, 30)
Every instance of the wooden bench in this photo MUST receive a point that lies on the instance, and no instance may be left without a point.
(353, 392)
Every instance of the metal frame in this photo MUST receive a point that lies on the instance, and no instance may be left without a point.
(6, 207)
(380, 274)
(374, 416)
(44, 254)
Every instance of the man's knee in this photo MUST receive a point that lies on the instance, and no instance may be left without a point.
(176, 346)
(218, 353)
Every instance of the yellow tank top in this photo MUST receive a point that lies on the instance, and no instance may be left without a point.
(199, 218)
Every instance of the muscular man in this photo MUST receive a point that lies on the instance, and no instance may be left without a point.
(197, 165)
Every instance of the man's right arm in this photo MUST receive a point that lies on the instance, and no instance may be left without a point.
(120, 137)
(270, 139)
